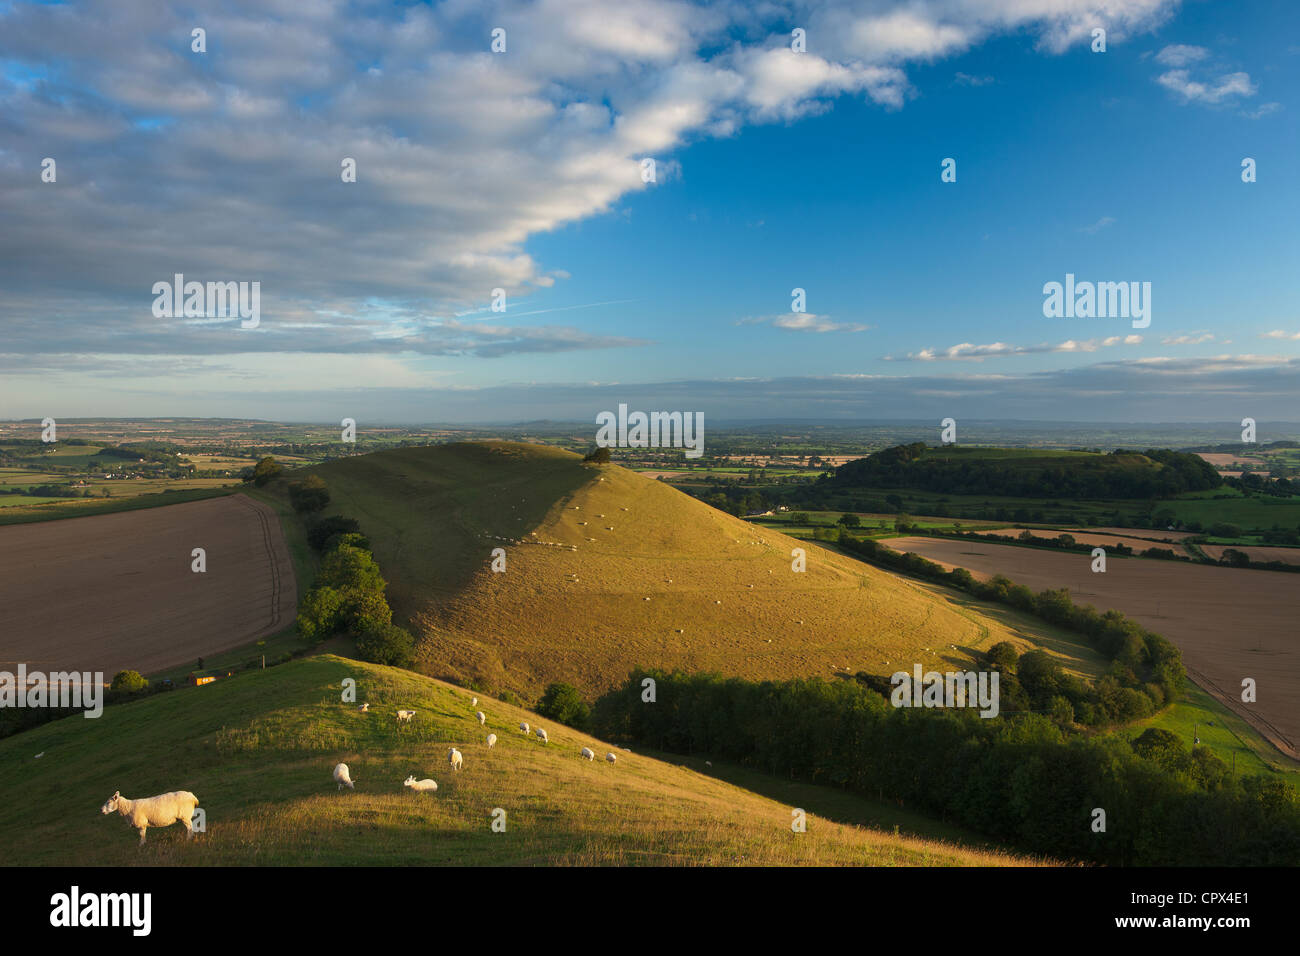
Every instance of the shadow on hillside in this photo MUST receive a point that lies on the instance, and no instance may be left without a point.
(830, 803)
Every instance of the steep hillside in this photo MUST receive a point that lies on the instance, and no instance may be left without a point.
(258, 751)
(606, 570)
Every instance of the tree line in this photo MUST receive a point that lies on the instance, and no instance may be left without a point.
(1022, 780)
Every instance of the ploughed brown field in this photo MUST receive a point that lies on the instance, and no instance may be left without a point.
(1230, 623)
(1263, 553)
(115, 591)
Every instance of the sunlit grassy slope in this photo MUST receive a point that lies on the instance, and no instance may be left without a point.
(258, 751)
(607, 570)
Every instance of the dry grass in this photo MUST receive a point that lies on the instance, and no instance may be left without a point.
(258, 751)
(607, 570)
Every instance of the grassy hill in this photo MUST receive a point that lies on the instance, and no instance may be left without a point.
(258, 751)
(607, 570)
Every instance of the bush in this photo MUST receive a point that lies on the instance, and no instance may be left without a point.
(320, 533)
(600, 456)
(266, 471)
(562, 702)
(319, 616)
(128, 682)
(309, 495)
(1003, 656)
(386, 644)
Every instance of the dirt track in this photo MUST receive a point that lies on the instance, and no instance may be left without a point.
(115, 591)
(1229, 623)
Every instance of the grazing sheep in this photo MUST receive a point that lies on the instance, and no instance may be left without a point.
(541, 735)
(473, 701)
(708, 763)
(491, 740)
(482, 718)
(364, 708)
(420, 786)
(160, 811)
(404, 716)
(454, 758)
(611, 757)
(588, 754)
(524, 727)
(342, 777)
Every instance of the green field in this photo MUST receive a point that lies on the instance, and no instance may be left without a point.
(258, 751)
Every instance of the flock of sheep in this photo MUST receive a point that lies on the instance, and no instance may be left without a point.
(455, 759)
(179, 806)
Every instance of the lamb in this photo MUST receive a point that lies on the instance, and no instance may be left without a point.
(342, 777)
(404, 716)
(454, 758)
(588, 754)
(482, 718)
(420, 786)
(160, 811)
(541, 735)
(491, 740)
(611, 757)
(524, 727)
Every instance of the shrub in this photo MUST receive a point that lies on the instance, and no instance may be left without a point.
(600, 456)
(562, 702)
(387, 644)
(1003, 656)
(320, 533)
(128, 682)
(309, 495)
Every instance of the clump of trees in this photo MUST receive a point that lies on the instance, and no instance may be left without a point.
(601, 456)
(1024, 780)
(348, 597)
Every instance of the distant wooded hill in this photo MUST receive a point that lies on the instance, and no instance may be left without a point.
(1026, 473)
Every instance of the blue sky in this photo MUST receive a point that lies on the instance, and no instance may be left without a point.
(775, 170)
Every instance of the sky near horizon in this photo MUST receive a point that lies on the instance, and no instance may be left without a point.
(774, 170)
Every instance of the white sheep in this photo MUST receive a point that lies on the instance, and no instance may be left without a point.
(482, 718)
(611, 757)
(454, 758)
(473, 701)
(541, 735)
(342, 777)
(160, 811)
(404, 716)
(491, 740)
(588, 753)
(419, 786)
(524, 727)
(364, 708)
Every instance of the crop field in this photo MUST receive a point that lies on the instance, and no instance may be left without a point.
(1263, 554)
(116, 591)
(607, 570)
(258, 752)
(1229, 623)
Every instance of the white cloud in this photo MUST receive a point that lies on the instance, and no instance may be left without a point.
(804, 322)
(1181, 55)
(968, 351)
